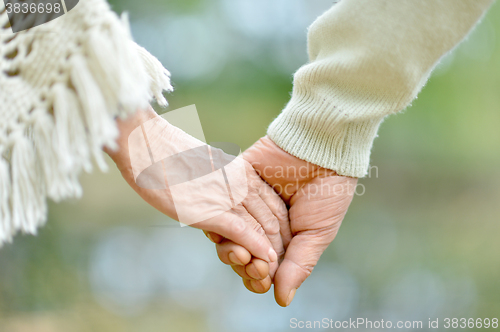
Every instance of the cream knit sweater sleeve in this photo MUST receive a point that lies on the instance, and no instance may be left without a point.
(368, 59)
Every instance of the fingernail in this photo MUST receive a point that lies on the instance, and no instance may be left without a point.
(289, 299)
(252, 272)
(257, 286)
(273, 257)
(210, 237)
(234, 259)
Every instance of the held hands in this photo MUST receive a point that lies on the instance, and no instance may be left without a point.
(184, 178)
(318, 200)
(252, 233)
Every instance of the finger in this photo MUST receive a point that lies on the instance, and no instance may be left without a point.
(232, 254)
(301, 257)
(251, 271)
(247, 234)
(270, 269)
(259, 151)
(258, 209)
(279, 210)
(258, 286)
(243, 212)
(241, 271)
(257, 269)
(215, 238)
(243, 256)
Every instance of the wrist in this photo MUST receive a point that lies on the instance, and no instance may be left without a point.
(316, 133)
(281, 170)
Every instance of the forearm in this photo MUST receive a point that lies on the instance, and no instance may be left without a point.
(159, 199)
(171, 171)
(67, 81)
(368, 59)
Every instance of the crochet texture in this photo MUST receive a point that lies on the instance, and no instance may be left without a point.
(62, 84)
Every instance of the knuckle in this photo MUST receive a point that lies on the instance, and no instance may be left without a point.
(306, 268)
(259, 229)
(282, 213)
(272, 227)
(252, 195)
(238, 227)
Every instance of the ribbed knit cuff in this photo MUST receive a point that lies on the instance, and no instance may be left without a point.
(325, 135)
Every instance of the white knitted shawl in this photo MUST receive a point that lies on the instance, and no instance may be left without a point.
(62, 84)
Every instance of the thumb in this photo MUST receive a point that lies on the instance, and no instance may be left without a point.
(301, 257)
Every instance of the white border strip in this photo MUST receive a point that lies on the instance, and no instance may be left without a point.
(64, 6)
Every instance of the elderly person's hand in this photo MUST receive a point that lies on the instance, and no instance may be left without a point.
(318, 200)
(200, 186)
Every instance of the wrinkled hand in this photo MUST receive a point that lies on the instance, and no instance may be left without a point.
(159, 161)
(318, 200)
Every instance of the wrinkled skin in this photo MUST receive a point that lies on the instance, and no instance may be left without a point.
(318, 200)
(254, 223)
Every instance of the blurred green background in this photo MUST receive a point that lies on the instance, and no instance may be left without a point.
(422, 242)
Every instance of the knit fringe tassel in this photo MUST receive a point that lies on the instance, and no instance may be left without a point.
(115, 78)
